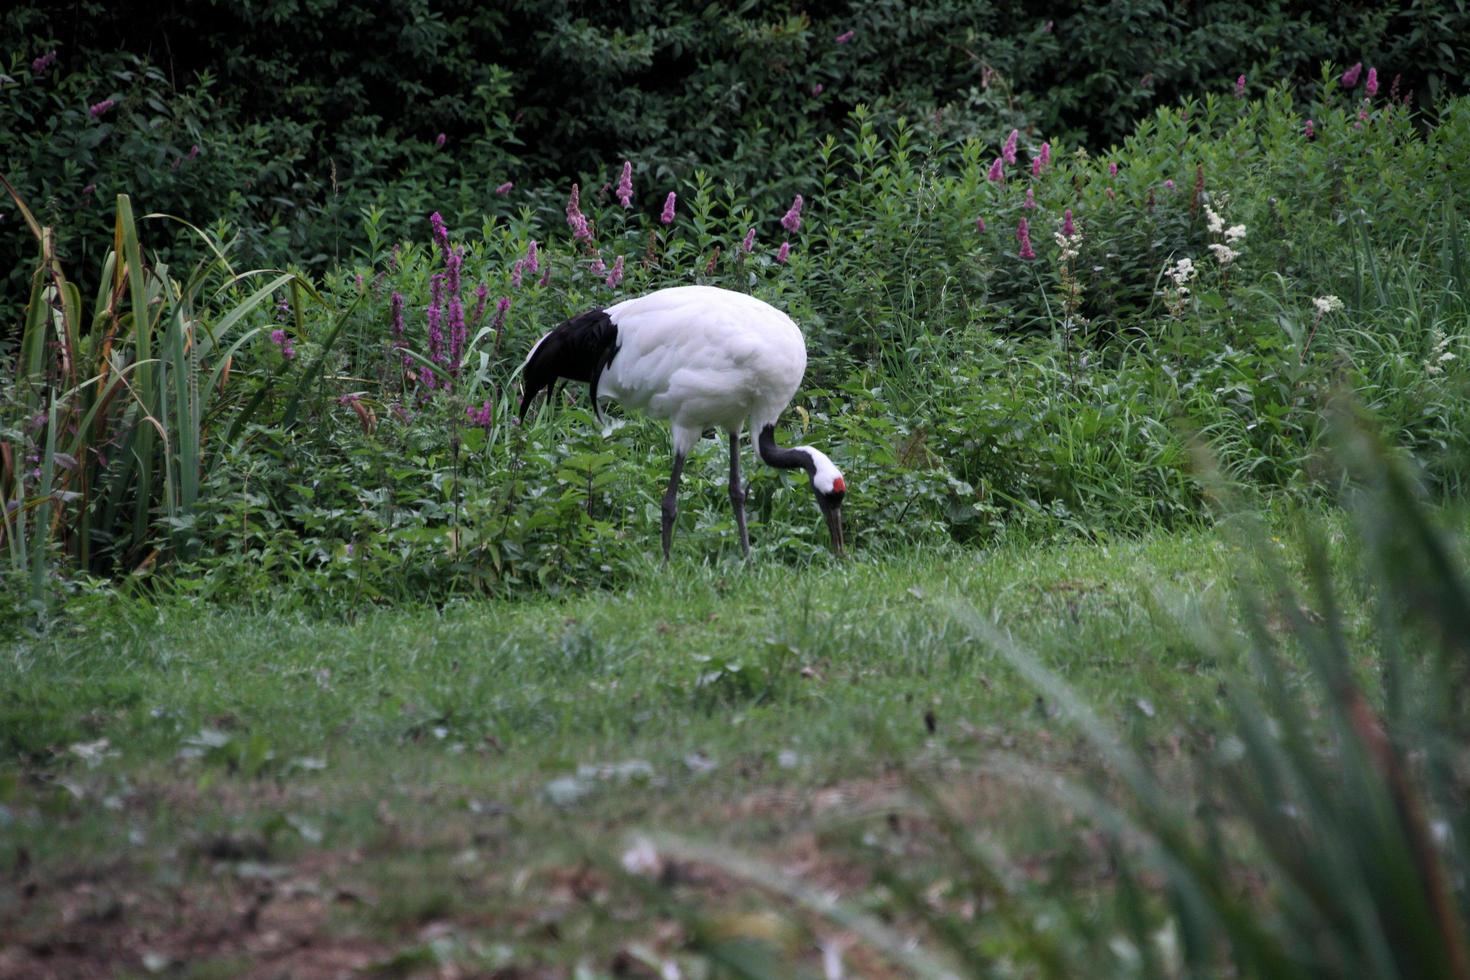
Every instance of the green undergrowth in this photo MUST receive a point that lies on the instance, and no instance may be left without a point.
(753, 705)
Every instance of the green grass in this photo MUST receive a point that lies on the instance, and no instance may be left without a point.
(459, 769)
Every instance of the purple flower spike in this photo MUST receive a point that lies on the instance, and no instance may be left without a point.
(1240, 87)
(1168, 185)
(980, 225)
(817, 89)
(516, 272)
(533, 257)
(441, 232)
(1372, 86)
(783, 253)
(845, 36)
(102, 108)
(1008, 151)
(791, 220)
(669, 202)
(1036, 166)
(616, 275)
(505, 188)
(997, 171)
(1046, 154)
(1068, 228)
(576, 220)
(40, 65)
(625, 185)
(1023, 235)
(1350, 77)
(1030, 201)
(749, 243)
(1113, 169)
(1310, 130)
(440, 140)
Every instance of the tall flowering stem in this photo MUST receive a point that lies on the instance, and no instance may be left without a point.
(670, 203)
(1008, 151)
(997, 171)
(576, 220)
(791, 220)
(1023, 235)
(625, 185)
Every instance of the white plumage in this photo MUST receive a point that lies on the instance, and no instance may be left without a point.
(703, 358)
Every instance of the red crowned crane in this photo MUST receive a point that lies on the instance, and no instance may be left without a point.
(702, 358)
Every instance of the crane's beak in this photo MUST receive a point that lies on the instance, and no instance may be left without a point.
(834, 526)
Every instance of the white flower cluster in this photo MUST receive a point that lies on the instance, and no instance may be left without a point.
(1068, 245)
(1181, 272)
(1439, 353)
(1223, 252)
(1327, 304)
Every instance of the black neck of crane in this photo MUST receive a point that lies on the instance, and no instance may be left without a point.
(782, 459)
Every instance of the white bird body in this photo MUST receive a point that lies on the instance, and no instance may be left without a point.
(701, 357)
(704, 358)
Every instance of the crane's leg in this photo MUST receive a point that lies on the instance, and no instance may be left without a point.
(737, 493)
(671, 500)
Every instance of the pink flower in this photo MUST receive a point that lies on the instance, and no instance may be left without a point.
(1046, 154)
(1310, 130)
(516, 272)
(441, 233)
(980, 225)
(598, 266)
(845, 36)
(1169, 185)
(791, 220)
(818, 88)
(1023, 235)
(575, 219)
(483, 416)
(533, 257)
(440, 139)
(1362, 115)
(102, 108)
(1030, 201)
(783, 253)
(1008, 151)
(1068, 228)
(1113, 169)
(997, 170)
(1240, 87)
(669, 202)
(616, 275)
(749, 242)
(625, 185)
(40, 65)
(279, 338)
(505, 188)
(1350, 77)
(1036, 166)
(1372, 86)
(193, 152)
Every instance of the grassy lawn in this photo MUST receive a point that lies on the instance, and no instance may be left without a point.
(214, 792)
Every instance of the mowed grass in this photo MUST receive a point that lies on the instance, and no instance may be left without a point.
(205, 790)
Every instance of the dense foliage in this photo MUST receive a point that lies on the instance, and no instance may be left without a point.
(285, 119)
(1218, 276)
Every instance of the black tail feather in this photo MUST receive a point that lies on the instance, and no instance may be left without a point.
(579, 350)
